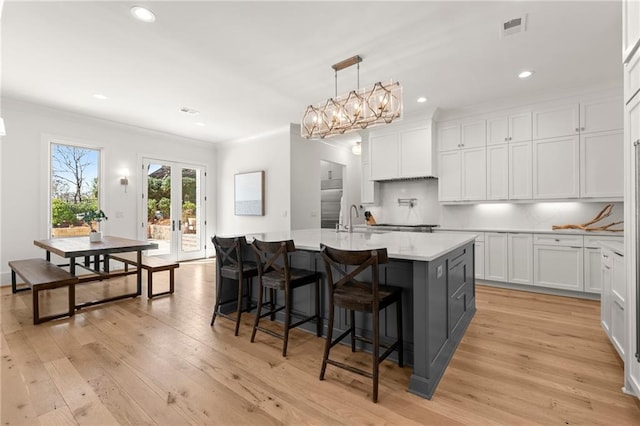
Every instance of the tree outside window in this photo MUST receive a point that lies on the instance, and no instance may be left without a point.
(74, 188)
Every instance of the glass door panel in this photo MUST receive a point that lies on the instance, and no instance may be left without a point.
(160, 224)
(191, 235)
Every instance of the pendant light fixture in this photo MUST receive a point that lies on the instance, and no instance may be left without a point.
(356, 110)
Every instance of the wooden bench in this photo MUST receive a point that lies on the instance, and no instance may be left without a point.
(38, 275)
(151, 265)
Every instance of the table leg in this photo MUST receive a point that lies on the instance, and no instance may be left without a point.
(72, 265)
(139, 272)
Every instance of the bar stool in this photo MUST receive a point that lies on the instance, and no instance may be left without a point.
(275, 273)
(354, 295)
(230, 265)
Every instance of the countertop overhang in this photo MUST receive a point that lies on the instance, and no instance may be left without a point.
(400, 245)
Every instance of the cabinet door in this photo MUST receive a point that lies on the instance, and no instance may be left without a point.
(384, 156)
(474, 134)
(498, 131)
(618, 281)
(606, 261)
(602, 115)
(520, 171)
(495, 256)
(369, 188)
(602, 164)
(415, 153)
(630, 27)
(592, 271)
(558, 267)
(520, 255)
(520, 127)
(556, 172)
(479, 259)
(449, 180)
(473, 164)
(449, 136)
(556, 121)
(497, 172)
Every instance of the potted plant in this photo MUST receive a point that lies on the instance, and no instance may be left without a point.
(92, 217)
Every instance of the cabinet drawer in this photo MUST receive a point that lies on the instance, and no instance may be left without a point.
(558, 240)
(593, 241)
(606, 258)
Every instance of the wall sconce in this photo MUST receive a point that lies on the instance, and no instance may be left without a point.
(124, 180)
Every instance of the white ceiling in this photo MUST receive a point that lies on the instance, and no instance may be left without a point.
(250, 67)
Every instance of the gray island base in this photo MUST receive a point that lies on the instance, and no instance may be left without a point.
(436, 272)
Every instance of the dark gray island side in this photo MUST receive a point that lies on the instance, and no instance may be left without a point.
(436, 272)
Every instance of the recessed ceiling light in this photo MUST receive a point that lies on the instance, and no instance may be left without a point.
(100, 96)
(422, 99)
(199, 123)
(525, 74)
(143, 14)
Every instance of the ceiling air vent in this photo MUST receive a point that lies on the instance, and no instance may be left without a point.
(189, 111)
(513, 26)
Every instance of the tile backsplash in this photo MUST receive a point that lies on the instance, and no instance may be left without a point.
(428, 210)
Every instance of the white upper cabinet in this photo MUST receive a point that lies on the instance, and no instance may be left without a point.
(449, 176)
(384, 156)
(449, 136)
(402, 152)
(473, 167)
(520, 171)
(498, 172)
(461, 135)
(473, 134)
(556, 168)
(630, 28)
(601, 159)
(368, 188)
(507, 129)
(416, 155)
(560, 120)
(601, 115)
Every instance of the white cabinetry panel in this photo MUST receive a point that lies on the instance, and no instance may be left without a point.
(498, 172)
(601, 158)
(520, 265)
(474, 134)
(558, 267)
(384, 156)
(473, 178)
(556, 168)
(520, 171)
(449, 136)
(496, 249)
(415, 153)
(601, 115)
(449, 180)
(562, 120)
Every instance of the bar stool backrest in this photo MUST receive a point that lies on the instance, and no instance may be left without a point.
(229, 251)
(273, 256)
(337, 260)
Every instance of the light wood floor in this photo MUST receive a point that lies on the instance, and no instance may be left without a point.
(525, 359)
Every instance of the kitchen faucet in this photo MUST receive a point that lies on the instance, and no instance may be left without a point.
(353, 207)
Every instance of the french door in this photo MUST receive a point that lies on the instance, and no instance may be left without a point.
(173, 209)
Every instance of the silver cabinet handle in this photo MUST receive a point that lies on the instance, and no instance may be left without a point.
(577, 129)
(506, 139)
(605, 256)
(636, 143)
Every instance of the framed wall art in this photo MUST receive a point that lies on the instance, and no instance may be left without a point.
(249, 194)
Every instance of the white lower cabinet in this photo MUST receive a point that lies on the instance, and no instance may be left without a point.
(613, 298)
(592, 270)
(558, 262)
(495, 261)
(520, 257)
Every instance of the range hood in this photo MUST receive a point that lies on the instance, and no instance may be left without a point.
(404, 150)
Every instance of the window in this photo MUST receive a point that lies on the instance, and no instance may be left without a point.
(75, 183)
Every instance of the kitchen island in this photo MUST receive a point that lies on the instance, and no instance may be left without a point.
(436, 273)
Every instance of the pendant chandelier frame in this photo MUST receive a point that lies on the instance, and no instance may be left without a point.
(357, 110)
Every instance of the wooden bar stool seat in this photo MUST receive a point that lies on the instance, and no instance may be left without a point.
(231, 265)
(275, 273)
(348, 292)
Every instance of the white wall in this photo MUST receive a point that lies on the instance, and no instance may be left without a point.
(306, 175)
(269, 152)
(25, 169)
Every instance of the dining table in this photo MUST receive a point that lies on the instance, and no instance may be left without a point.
(93, 257)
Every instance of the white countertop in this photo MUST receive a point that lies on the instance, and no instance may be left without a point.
(400, 245)
(536, 231)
